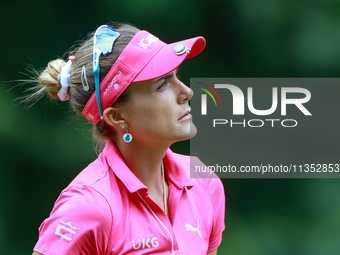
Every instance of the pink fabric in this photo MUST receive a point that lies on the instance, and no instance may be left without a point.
(144, 58)
(107, 210)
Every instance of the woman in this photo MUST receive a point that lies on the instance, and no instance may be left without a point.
(137, 197)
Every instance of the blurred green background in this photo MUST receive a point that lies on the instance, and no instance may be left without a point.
(44, 147)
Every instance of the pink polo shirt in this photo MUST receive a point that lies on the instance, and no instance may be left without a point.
(107, 210)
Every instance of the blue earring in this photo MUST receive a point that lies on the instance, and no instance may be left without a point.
(127, 137)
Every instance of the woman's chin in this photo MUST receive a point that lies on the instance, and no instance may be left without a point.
(190, 132)
(193, 130)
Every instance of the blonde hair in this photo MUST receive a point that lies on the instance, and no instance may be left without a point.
(48, 80)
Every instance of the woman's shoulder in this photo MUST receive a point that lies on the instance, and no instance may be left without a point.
(81, 217)
(90, 190)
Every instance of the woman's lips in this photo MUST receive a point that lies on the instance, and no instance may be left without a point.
(187, 115)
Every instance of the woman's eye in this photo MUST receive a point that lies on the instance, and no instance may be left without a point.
(163, 85)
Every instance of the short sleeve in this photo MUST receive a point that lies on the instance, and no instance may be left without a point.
(80, 223)
(218, 202)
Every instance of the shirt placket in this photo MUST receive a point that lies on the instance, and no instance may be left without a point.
(161, 219)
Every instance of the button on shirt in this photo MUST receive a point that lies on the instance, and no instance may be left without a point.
(107, 210)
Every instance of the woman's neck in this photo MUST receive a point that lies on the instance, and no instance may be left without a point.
(145, 162)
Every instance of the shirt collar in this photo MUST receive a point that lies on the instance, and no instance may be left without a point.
(176, 166)
(118, 166)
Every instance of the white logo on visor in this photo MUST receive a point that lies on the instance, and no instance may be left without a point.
(89, 116)
(113, 83)
(146, 42)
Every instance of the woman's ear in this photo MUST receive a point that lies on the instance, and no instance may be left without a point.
(113, 118)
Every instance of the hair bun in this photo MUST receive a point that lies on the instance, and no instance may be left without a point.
(50, 76)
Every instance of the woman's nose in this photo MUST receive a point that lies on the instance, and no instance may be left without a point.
(185, 94)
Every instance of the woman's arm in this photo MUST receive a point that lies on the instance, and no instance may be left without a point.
(35, 253)
(209, 253)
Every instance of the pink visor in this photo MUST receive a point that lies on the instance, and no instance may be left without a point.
(144, 58)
